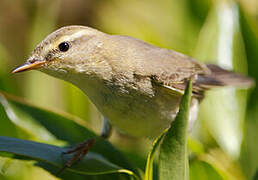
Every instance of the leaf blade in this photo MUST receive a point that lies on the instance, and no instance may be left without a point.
(151, 156)
(92, 164)
(174, 146)
(62, 126)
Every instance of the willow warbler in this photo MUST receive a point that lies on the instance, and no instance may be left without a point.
(136, 86)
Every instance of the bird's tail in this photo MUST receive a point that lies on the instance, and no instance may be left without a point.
(222, 77)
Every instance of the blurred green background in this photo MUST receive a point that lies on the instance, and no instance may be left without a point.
(223, 32)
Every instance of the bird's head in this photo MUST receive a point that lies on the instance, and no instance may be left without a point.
(69, 49)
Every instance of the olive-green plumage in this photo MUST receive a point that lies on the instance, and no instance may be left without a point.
(135, 85)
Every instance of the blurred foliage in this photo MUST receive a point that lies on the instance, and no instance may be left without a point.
(223, 142)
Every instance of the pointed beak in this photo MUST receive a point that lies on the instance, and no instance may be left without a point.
(34, 64)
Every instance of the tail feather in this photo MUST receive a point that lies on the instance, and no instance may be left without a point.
(222, 77)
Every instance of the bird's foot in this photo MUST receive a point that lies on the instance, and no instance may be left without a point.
(79, 152)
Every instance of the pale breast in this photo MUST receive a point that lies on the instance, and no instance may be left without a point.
(134, 111)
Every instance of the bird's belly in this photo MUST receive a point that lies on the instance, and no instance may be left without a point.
(133, 111)
(137, 114)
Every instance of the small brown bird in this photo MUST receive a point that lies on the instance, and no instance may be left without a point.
(136, 86)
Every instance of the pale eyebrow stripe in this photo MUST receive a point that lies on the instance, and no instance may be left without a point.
(74, 36)
(69, 38)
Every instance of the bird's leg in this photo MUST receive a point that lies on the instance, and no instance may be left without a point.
(82, 149)
(106, 129)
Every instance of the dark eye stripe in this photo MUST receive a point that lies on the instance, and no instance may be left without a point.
(49, 56)
(32, 61)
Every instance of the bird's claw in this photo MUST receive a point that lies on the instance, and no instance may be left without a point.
(80, 151)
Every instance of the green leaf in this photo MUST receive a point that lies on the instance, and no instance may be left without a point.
(173, 158)
(92, 164)
(62, 126)
(67, 175)
(24, 114)
(7, 128)
(200, 170)
(151, 156)
(226, 167)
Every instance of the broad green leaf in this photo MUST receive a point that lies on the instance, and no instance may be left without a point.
(92, 164)
(59, 125)
(200, 170)
(24, 114)
(223, 164)
(151, 156)
(67, 175)
(173, 158)
(7, 128)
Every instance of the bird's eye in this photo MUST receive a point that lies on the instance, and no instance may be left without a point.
(64, 46)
